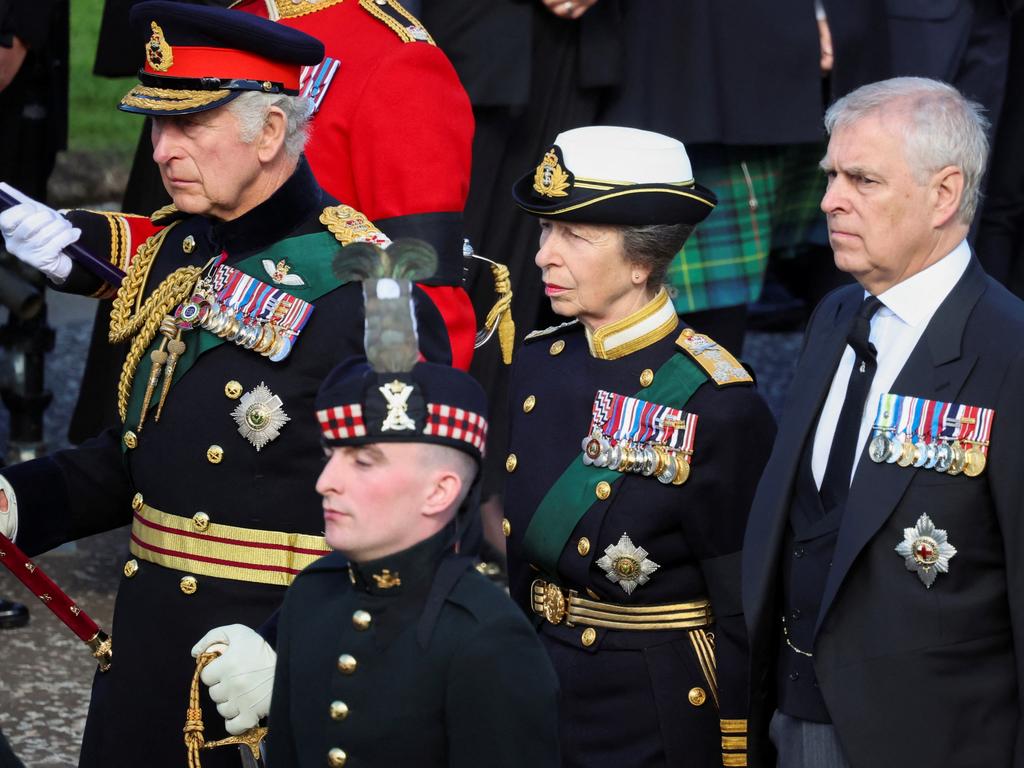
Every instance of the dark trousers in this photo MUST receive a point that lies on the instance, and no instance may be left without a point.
(805, 744)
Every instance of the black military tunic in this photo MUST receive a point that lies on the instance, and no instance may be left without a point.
(196, 466)
(411, 660)
(637, 698)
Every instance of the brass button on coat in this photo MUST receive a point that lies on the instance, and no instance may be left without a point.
(188, 585)
(339, 710)
(131, 568)
(506, 527)
(130, 439)
(697, 696)
(137, 502)
(337, 758)
(528, 403)
(188, 244)
(361, 620)
(557, 347)
(233, 389)
(511, 462)
(588, 637)
(647, 377)
(603, 490)
(347, 664)
(201, 521)
(583, 546)
(215, 454)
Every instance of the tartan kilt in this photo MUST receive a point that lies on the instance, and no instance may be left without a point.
(724, 261)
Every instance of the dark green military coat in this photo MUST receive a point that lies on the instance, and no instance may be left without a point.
(412, 660)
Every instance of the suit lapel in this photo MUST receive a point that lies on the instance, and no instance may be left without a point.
(936, 369)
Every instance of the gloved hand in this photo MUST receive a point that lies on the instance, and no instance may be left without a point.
(8, 510)
(37, 235)
(241, 679)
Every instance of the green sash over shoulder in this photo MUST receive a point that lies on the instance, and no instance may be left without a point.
(573, 493)
(308, 255)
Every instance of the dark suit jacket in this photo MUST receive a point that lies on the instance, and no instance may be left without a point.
(910, 675)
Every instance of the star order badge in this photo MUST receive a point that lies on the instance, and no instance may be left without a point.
(926, 550)
(260, 416)
(627, 565)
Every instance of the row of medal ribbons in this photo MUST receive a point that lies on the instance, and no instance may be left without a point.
(917, 432)
(246, 311)
(628, 434)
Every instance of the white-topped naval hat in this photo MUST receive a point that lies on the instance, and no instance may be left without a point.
(615, 175)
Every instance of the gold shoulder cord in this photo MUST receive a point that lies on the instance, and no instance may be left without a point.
(374, 10)
(145, 322)
(194, 740)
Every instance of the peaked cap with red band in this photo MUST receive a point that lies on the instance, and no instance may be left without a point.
(200, 57)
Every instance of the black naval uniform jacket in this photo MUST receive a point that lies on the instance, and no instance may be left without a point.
(414, 659)
(638, 698)
(910, 675)
(138, 708)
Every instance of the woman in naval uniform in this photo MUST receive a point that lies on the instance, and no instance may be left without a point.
(635, 449)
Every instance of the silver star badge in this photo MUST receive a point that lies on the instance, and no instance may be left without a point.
(926, 550)
(260, 416)
(627, 565)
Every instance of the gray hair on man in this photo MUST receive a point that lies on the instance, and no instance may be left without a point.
(251, 109)
(940, 128)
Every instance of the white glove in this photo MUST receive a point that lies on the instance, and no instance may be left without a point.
(241, 679)
(9, 518)
(37, 235)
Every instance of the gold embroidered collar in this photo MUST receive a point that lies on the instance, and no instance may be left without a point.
(651, 323)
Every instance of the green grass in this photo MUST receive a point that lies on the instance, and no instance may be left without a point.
(94, 121)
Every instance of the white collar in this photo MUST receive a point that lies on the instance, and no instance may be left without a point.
(915, 299)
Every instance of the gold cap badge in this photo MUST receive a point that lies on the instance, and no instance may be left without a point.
(158, 50)
(550, 179)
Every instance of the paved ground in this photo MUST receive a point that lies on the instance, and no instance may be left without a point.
(45, 672)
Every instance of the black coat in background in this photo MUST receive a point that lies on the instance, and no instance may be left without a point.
(910, 676)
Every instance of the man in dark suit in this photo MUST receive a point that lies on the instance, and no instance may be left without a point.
(879, 574)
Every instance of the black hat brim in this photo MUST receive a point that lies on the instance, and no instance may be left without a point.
(169, 102)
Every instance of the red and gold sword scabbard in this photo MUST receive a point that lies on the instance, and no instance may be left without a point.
(43, 587)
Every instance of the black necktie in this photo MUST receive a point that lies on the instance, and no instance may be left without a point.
(835, 486)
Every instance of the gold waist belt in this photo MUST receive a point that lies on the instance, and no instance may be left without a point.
(200, 547)
(559, 606)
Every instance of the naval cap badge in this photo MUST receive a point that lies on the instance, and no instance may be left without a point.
(550, 180)
(260, 416)
(627, 565)
(926, 550)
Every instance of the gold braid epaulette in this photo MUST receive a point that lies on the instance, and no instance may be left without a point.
(145, 322)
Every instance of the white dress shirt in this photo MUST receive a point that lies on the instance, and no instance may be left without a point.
(896, 327)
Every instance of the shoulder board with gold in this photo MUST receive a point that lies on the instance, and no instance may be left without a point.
(720, 366)
(553, 330)
(399, 20)
(164, 215)
(289, 9)
(350, 226)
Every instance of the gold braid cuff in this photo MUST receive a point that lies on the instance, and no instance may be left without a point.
(194, 740)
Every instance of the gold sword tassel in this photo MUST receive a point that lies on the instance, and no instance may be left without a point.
(176, 348)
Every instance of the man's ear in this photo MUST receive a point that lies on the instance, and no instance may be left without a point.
(948, 191)
(271, 136)
(444, 491)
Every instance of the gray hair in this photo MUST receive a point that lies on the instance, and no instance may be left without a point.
(940, 128)
(654, 246)
(252, 107)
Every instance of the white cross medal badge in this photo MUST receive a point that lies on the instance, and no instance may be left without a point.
(926, 550)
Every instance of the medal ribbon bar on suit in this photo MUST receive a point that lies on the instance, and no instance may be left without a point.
(572, 494)
(54, 598)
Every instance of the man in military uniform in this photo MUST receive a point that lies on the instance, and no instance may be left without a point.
(234, 317)
(394, 650)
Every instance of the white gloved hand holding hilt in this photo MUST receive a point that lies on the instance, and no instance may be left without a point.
(241, 679)
(37, 235)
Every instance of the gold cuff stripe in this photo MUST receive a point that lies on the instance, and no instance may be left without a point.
(602, 198)
(706, 658)
(734, 726)
(733, 760)
(734, 742)
(223, 551)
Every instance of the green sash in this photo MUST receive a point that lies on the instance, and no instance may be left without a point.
(308, 256)
(573, 493)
